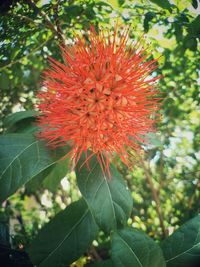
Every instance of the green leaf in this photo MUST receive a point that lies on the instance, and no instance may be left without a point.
(165, 4)
(4, 234)
(36, 182)
(190, 43)
(182, 248)
(49, 178)
(13, 118)
(52, 181)
(108, 198)
(195, 3)
(73, 10)
(194, 27)
(65, 238)
(178, 31)
(131, 247)
(148, 17)
(21, 122)
(22, 157)
(4, 81)
(121, 2)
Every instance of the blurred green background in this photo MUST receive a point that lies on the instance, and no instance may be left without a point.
(166, 188)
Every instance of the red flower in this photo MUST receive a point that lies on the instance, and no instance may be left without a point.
(101, 99)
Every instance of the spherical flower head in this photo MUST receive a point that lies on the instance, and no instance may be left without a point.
(102, 99)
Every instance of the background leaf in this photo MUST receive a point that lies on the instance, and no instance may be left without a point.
(194, 27)
(65, 238)
(131, 247)
(195, 3)
(182, 248)
(108, 198)
(147, 19)
(165, 4)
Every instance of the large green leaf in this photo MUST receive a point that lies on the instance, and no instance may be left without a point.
(131, 247)
(65, 238)
(21, 158)
(108, 198)
(182, 248)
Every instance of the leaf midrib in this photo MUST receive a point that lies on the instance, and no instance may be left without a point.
(17, 156)
(127, 245)
(65, 237)
(104, 180)
(182, 253)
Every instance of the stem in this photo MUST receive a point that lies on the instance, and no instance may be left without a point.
(19, 59)
(29, 20)
(155, 196)
(57, 23)
(54, 28)
(43, 14)
(161, 173)
(95, 254)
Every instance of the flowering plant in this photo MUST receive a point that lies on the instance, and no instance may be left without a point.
(86, 167)
(102, 98)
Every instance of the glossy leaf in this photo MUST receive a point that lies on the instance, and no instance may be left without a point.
(108, 197)
(182, 248)
(22, 157)
(65, 238)
(131, 247)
